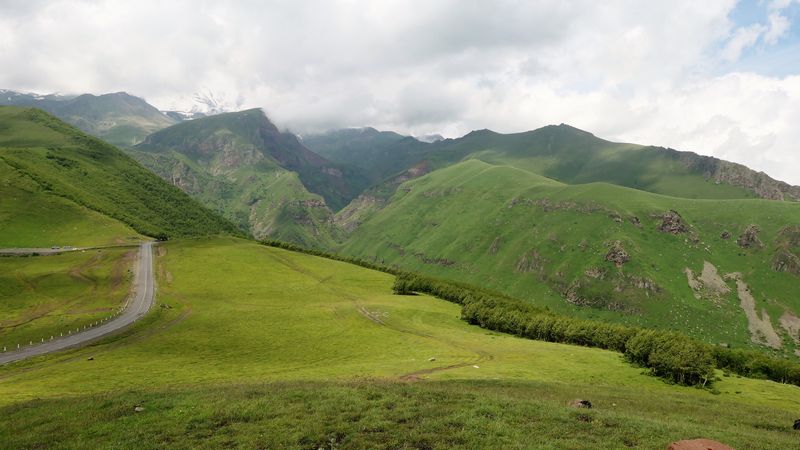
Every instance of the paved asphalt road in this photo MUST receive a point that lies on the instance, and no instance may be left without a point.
(37, 251)
(137, 305)
(53, 250)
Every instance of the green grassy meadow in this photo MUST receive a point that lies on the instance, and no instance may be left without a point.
(535, 238)
(257, 347)
(43, 296)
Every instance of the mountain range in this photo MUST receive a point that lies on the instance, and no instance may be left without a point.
(627, 233)
(547, 288)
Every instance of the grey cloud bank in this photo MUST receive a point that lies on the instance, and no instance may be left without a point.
(643, 72)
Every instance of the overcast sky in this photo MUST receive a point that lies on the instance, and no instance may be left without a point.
(714, 76)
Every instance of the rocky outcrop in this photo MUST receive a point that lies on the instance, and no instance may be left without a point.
(725, 235)
(354, 214)
(617, 254)
(786, 261)
(643, 283)
(719, 172)
(420, 169)
(787, 251)
(312, 203)
(758, 182)
(749, 238)
(673, 223)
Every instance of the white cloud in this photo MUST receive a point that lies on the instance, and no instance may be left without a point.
(778, 26)
(744, 38)
(778, 5)
(640, 71)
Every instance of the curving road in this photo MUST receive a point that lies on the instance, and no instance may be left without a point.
(136, 306)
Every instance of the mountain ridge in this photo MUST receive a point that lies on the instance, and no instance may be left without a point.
(118, 117)
(241, 165)
(568, 154)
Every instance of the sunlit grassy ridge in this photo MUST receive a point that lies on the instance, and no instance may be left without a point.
(45, 296)
(33, 217)
(232, 315)
(46, 158)
(538, 239)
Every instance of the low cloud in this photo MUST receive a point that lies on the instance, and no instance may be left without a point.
(636, 71)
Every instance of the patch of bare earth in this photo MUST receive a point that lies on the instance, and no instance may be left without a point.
(698, 444)
(709, 285)
(791, 323)
(761, 330)
(694, 283)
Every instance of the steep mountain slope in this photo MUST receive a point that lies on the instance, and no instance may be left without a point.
(33, 217)
(566, 154)
(118, 118)
(54, 168)
(378, 153)
(721, 270)
(266, 181)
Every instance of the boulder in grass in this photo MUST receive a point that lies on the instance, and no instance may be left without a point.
(580, 403)
(749, 238)
(673, 223)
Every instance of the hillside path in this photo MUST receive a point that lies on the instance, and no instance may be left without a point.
(137, 305)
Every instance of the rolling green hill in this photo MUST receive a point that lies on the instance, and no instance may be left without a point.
(266, 181)
(725, 271)
(118, 118)
(258, 347)
(563, 153)
(60, 186)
